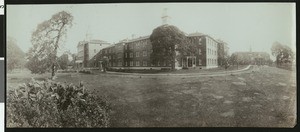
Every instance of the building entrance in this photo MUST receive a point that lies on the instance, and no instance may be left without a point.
(189, 61)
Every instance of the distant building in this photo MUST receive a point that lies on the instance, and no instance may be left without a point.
(87, 50)
(254, 58)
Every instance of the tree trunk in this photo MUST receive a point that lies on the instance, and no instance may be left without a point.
(55, 52)
(173, 65)
(52, 71)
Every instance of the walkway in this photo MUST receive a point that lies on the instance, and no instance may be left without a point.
(248, 69)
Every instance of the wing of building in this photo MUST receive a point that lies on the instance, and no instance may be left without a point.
(135, 54)
(86, 50)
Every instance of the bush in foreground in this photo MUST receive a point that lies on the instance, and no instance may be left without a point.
(52, 104)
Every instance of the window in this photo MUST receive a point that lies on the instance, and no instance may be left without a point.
(199, 51)
(145, 53)
(200, 62)
(158, 64)
(131, 55)
(125, 55)
(137, 63)
(131, 63)
(119, 55)
(137, 54)
(200, 39)
(125, 63)
(165, 63)
(144, 63)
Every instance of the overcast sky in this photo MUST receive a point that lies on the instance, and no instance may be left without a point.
(241, 25)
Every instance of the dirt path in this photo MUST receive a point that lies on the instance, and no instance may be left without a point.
(248, 69)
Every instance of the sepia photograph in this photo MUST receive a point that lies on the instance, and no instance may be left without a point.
(119, 65)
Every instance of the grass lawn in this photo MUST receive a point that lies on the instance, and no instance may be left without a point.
(264, 98)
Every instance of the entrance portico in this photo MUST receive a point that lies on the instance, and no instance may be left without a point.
(188, 61)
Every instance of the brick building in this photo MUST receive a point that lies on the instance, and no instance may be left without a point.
(207, 56)
(135, 54)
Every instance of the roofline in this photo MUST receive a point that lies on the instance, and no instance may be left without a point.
(138, 39)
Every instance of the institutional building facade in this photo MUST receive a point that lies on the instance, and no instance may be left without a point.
(135, 54)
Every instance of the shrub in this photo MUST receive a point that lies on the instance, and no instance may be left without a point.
(52, 104)
(85, 71)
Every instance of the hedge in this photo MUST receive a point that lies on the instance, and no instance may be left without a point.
(52, 104)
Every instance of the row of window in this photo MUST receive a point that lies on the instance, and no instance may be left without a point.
(212, 61)
(119, 55)
(145, 63)
(137, 54)
(212, 43)
(138, 63)
(129, 55)
(211, 52)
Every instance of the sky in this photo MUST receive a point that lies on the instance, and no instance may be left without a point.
(241, 25)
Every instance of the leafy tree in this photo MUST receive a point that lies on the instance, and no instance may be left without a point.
(233, 60)
(283, 53)
(72, 62)
(63, 61)
(15, 56)
(46, 40)
(169, 44)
